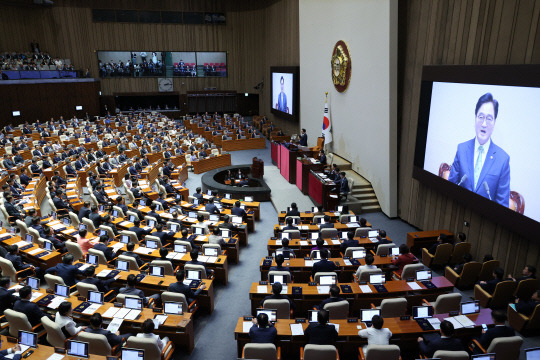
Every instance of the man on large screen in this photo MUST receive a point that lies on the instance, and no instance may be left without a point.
(480, 165)
(282, 98)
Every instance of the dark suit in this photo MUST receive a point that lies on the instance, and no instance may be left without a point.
(102, 285)
(84, 212)
(495, 332)
(66, 272)
(107, 251)
(135, 292)
(326, 226)
(111, 338)
(347, 243)
(303, 140)
(133, 255)
(440, 343)
(328, 301)
(96, 219)
(211, 208)
(100, 197)
(25, 179)
(31, 310)
(60, 204)
(293, 213)
(180, 288)
(17, 262)
(321, 334)
(3, 354)
(11, 209)
(164, 236)
(262, 335)
(495, 171)
(323, 265)
(490, 285)
(7, 299)
(238, 212)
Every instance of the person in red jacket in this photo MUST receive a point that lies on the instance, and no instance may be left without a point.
(405, 258)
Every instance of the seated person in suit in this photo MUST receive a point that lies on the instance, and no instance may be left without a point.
(290, 225)
(285, 248)
(84, 211)
(138, 230)
(96, 321)
(382, 239)
(327, 224)
(276, 295)
(201, 224)
(64, 319)
(106, 221)
(102, 246)
(120, 202)
(526, 305)
(461, 237)
(216, 238)
(148, 328)
(350, 242)
(99, 195)
(262, 331)
(445, 341)
(163, 235)
(489, 286)
(130, 247)
(323, 265)
(30, 309)
(279, 264)
(130, 289)
(293, 211)
(321, 333)
(14, 350)
(334, 297)
(238, 211)
(319, 244)
(211, 208)
(529, 272)
(66, 270)
(102, 285)
(154, 214)
(7, 299)
(18, 263)
(376, 334)
(198, 194)
(405, 258)
(84, 241)
(226, 224)
(467, 258)
(11, 209)
(95, 217)
(186, 237)
(369, 259)
(499, 330)
(180, 287)
(442, 239)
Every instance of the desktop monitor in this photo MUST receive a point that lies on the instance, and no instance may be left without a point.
(157, 271)
(192, 214)
(315, 209)
(353, 219)
(313, 316)
(66, 221)
(373, 233)
(28, 338)
(394, 251)
(102, 232)
(286, 254)
(359, 254)
(272, 314)
(367, 314)
(343, 235)
(151, 244)
(179, 248)
(151, 223)
(142, 202)
(423, 275)
(92, 259)
(195, 201)
(327, 280)
(282, 279)
(173, 308)
(422, 312)
(122, 265)
(316, 254)
(532, 353)
(132, 354)
(193, 275)
(95, 297)
(61, 290)
(133, 303)
(470, 307)
(210, 251)
(248, 198)
(342, 208)
(228, 196)
(131, 218)
(377, 279)
(33, 283)
(77, 348)
(284, 235)
(115, 213)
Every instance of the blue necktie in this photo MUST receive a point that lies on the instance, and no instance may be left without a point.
(478, 166)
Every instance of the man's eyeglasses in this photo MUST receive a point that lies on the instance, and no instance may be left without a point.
(481, 117)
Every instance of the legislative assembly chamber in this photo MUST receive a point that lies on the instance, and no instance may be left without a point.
(280, 179)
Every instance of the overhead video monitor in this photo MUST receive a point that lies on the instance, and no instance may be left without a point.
(285, 85)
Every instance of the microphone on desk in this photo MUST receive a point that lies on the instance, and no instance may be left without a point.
(463, 179)
(486, 187)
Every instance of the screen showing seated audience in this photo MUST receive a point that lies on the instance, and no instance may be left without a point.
(282, 92)
(483, 139)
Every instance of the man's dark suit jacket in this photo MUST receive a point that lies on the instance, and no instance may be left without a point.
(96, 219)
(490, 285)
(66, 272)
(111, 338)
(59, 203)
(31, 310)
(102, 285)
(321, 334)
(137, 257)
(84, 212)
(347, 243)
(7, 299)
(293, 213)
(11, 209)
(329, 300)
(450, 344)
(323, 265)
(17, 262)
(180, 288)
(107, 251)
(303, 140)
(495, 332)
(262, 335)
(326, 226)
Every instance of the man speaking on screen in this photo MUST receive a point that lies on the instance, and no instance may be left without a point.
(282, 98)
(480, 165)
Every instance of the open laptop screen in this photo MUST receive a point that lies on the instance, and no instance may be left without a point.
(77, 348)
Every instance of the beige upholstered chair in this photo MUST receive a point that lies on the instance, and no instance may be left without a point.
(282, 273)
(318, 352)
(338, 309)
(503, 347)
(167, 265)
(395, 307)
(409, 271)
(133, 266)
(468, 275)
(9, 270)
(97, 343)
(364, 274)
(446, 303)
(102, 260)
(261, 352)
(55, 336)
(384, 249)
(18, 321)
(282, 306)
(74, 249)
(151, 350)
(441, 257)
(132, 236)
(375, 352)
(329, 233)
(451, 355)
(503, 294)
(179, 298)
(323, 273)
(52, 280)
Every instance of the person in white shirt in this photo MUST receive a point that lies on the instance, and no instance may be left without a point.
(369, 265)
(376, 334)
(148, 332)
(64, 319)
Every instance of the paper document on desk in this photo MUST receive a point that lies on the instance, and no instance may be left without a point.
(110, 312)
(187, 282)
(115, 324)
(353, 225)
(465, 321)
(171, 255)
(336, 242)
(55, 357)
(212, 259)
(374, 240)
(365, 289)
(159, 320)
(56, 302)
(414, 285)
(132, 315)
(20, 244)
(203, 258)
(91, 309)
(323, 289)
(279, 242)
(304, 243)
(336, 326)
(200, 238)
(103, 273)
(179, 256)
(262, 289)
(246, 325)
(124, 223)
(35, 251)
(435, 322)
(121, 313)
(309, 263)
(143, 250)
(303, 227)
(455, 322)
(297, 329)
(84, 267)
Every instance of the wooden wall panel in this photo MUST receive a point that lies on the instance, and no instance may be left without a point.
(461, 32)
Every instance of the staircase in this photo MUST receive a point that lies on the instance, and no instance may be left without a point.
(362, 198)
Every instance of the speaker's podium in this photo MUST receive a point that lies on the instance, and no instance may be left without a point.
(257, 168)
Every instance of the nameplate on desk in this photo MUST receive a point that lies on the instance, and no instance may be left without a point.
(59, 350)
(157, 310)
(263, 282)
(453, 313)
(118, 304)
(300, 321)
(362, 283)
(248, 318)
(383, 255)
(26, 247)
(312, 283)
(81, 298)
(409, 279)
(273, 238)
(352, 320)
(42, 254)
(405, 317)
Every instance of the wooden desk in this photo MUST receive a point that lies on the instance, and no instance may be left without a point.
(357, 299)
(303, 168)
(211, 163)
(420, 239)
(404, 334)
(243, 144)
(302, 247)
(32, 254)
(43, 352)
(119, 173)
(320, 191)
(307, 217)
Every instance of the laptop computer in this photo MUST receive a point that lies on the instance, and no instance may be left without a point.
(210, 252)
(282, 279)
(179, 248)
(327, 280)
(33, 283)
(174, 227)
(313, 316)
(193, 278)
(236, 220)
(214, 217)
(95, 297)
(132, 354)
(151, 244)
(133, 303)
(248, 198)
(122, 265)
(424, 276)
(198, 230)
(77, 348)
(28, 338)
(492, 356)
(469, 307)
(225, 233)
(47, 245)
(92, 259)
(366, 315)
(156, 271)
(272, 314)
(359, 254)
(61, 290)
(286, 254)
(422, 312)
(394, 251)
(124, 239)
(373, 233)
(378, 281)
(173, 308)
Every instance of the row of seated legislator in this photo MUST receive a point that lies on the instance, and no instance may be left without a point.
(191, 283)
(316, 305)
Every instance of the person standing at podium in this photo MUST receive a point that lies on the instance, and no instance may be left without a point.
(303, 138)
